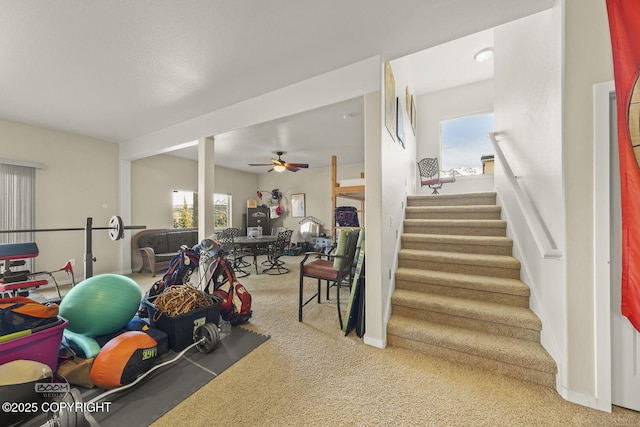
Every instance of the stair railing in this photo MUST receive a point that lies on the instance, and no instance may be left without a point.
(539, 230)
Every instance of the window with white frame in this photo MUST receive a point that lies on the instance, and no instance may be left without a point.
(222, 211)
(465, 142)
(184, 209)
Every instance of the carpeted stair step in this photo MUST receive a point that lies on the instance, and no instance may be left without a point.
(478, 264)
(453, 212)
(491, 245)
(469, 199)
(525, 360)
(492, 289)
(467, 227)
(499, 319)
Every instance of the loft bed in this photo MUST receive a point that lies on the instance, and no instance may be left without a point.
(352, 189)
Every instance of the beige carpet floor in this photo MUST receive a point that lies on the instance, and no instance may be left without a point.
(309, 374)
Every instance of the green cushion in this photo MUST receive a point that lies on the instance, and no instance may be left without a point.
(342, 242)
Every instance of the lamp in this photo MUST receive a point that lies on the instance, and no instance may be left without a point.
(279, 168)
(483, 55)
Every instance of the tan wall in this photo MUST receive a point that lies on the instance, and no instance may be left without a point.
(487, 167)
(315, 183)
(80, 180)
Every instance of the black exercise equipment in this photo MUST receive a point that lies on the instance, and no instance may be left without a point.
(115, 230)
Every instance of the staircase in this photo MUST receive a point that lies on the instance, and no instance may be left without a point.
(458, 293)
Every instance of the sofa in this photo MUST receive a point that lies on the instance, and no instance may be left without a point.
(158, 246)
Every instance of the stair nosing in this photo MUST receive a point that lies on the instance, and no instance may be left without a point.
(494, 343)
(485, 311)
(406, 273)
(502, 261)
(458, 238)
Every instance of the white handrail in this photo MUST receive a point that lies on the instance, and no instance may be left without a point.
(540, 232)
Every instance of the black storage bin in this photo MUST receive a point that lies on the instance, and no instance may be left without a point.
(180, 328)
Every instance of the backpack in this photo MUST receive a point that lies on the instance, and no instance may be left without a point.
(236, 302)
(21, 314)
(180, 269)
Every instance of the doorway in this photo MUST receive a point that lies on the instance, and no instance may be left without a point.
(623, 352)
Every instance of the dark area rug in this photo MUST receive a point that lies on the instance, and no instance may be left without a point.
(164, 388)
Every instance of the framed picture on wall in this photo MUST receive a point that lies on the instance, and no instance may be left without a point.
(389, 100)
(297, 205)
(413, 115)
(399, 123)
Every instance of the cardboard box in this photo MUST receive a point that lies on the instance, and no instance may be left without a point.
(252, 203)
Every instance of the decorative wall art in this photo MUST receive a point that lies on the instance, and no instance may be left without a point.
(407, 100)
(414, 116)
(399, 123)
(297, 205)
(389, 100)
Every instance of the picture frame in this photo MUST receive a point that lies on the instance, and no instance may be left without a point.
(297, 205)
(399, 123)
(414, 116)
(389, 100)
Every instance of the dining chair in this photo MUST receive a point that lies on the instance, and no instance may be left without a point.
(276, 250)
(333, 268)
(235, 254)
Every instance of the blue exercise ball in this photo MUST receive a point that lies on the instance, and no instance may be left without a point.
(101, 304)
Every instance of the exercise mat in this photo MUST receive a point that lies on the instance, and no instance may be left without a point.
(164, 388)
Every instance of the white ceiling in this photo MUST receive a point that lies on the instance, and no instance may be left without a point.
(118, 70)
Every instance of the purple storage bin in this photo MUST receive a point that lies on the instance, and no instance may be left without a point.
(42, 346)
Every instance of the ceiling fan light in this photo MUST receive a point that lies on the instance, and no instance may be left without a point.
(279, 168)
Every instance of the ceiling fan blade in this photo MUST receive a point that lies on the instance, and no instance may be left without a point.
(297, 165)
(260, 164)
(291, 169)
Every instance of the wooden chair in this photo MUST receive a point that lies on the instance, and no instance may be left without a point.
(333, 268)
(430, 174)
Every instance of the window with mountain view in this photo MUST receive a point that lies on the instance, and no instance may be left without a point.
(465, 142)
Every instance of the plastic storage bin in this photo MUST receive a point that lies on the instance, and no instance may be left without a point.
(180, 328)
(42, 346)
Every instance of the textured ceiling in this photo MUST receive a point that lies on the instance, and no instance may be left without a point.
(121, 69)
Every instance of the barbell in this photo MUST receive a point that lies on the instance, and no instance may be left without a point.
(115, 228)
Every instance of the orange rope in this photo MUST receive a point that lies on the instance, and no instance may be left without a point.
(178, 300)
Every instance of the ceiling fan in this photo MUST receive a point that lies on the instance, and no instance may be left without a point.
(280, 165)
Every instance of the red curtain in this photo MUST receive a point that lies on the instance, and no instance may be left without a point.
(624, 25)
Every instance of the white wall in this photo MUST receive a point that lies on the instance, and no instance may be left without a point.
(397, 166)
(80, 180)
(528, 116)
(588, 61)
(434, 107)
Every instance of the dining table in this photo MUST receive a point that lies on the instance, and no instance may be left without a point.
(254, 243)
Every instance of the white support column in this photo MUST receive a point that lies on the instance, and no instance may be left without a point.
(125, 214)
(206, 173)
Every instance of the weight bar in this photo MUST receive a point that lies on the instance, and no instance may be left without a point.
(116, 228)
